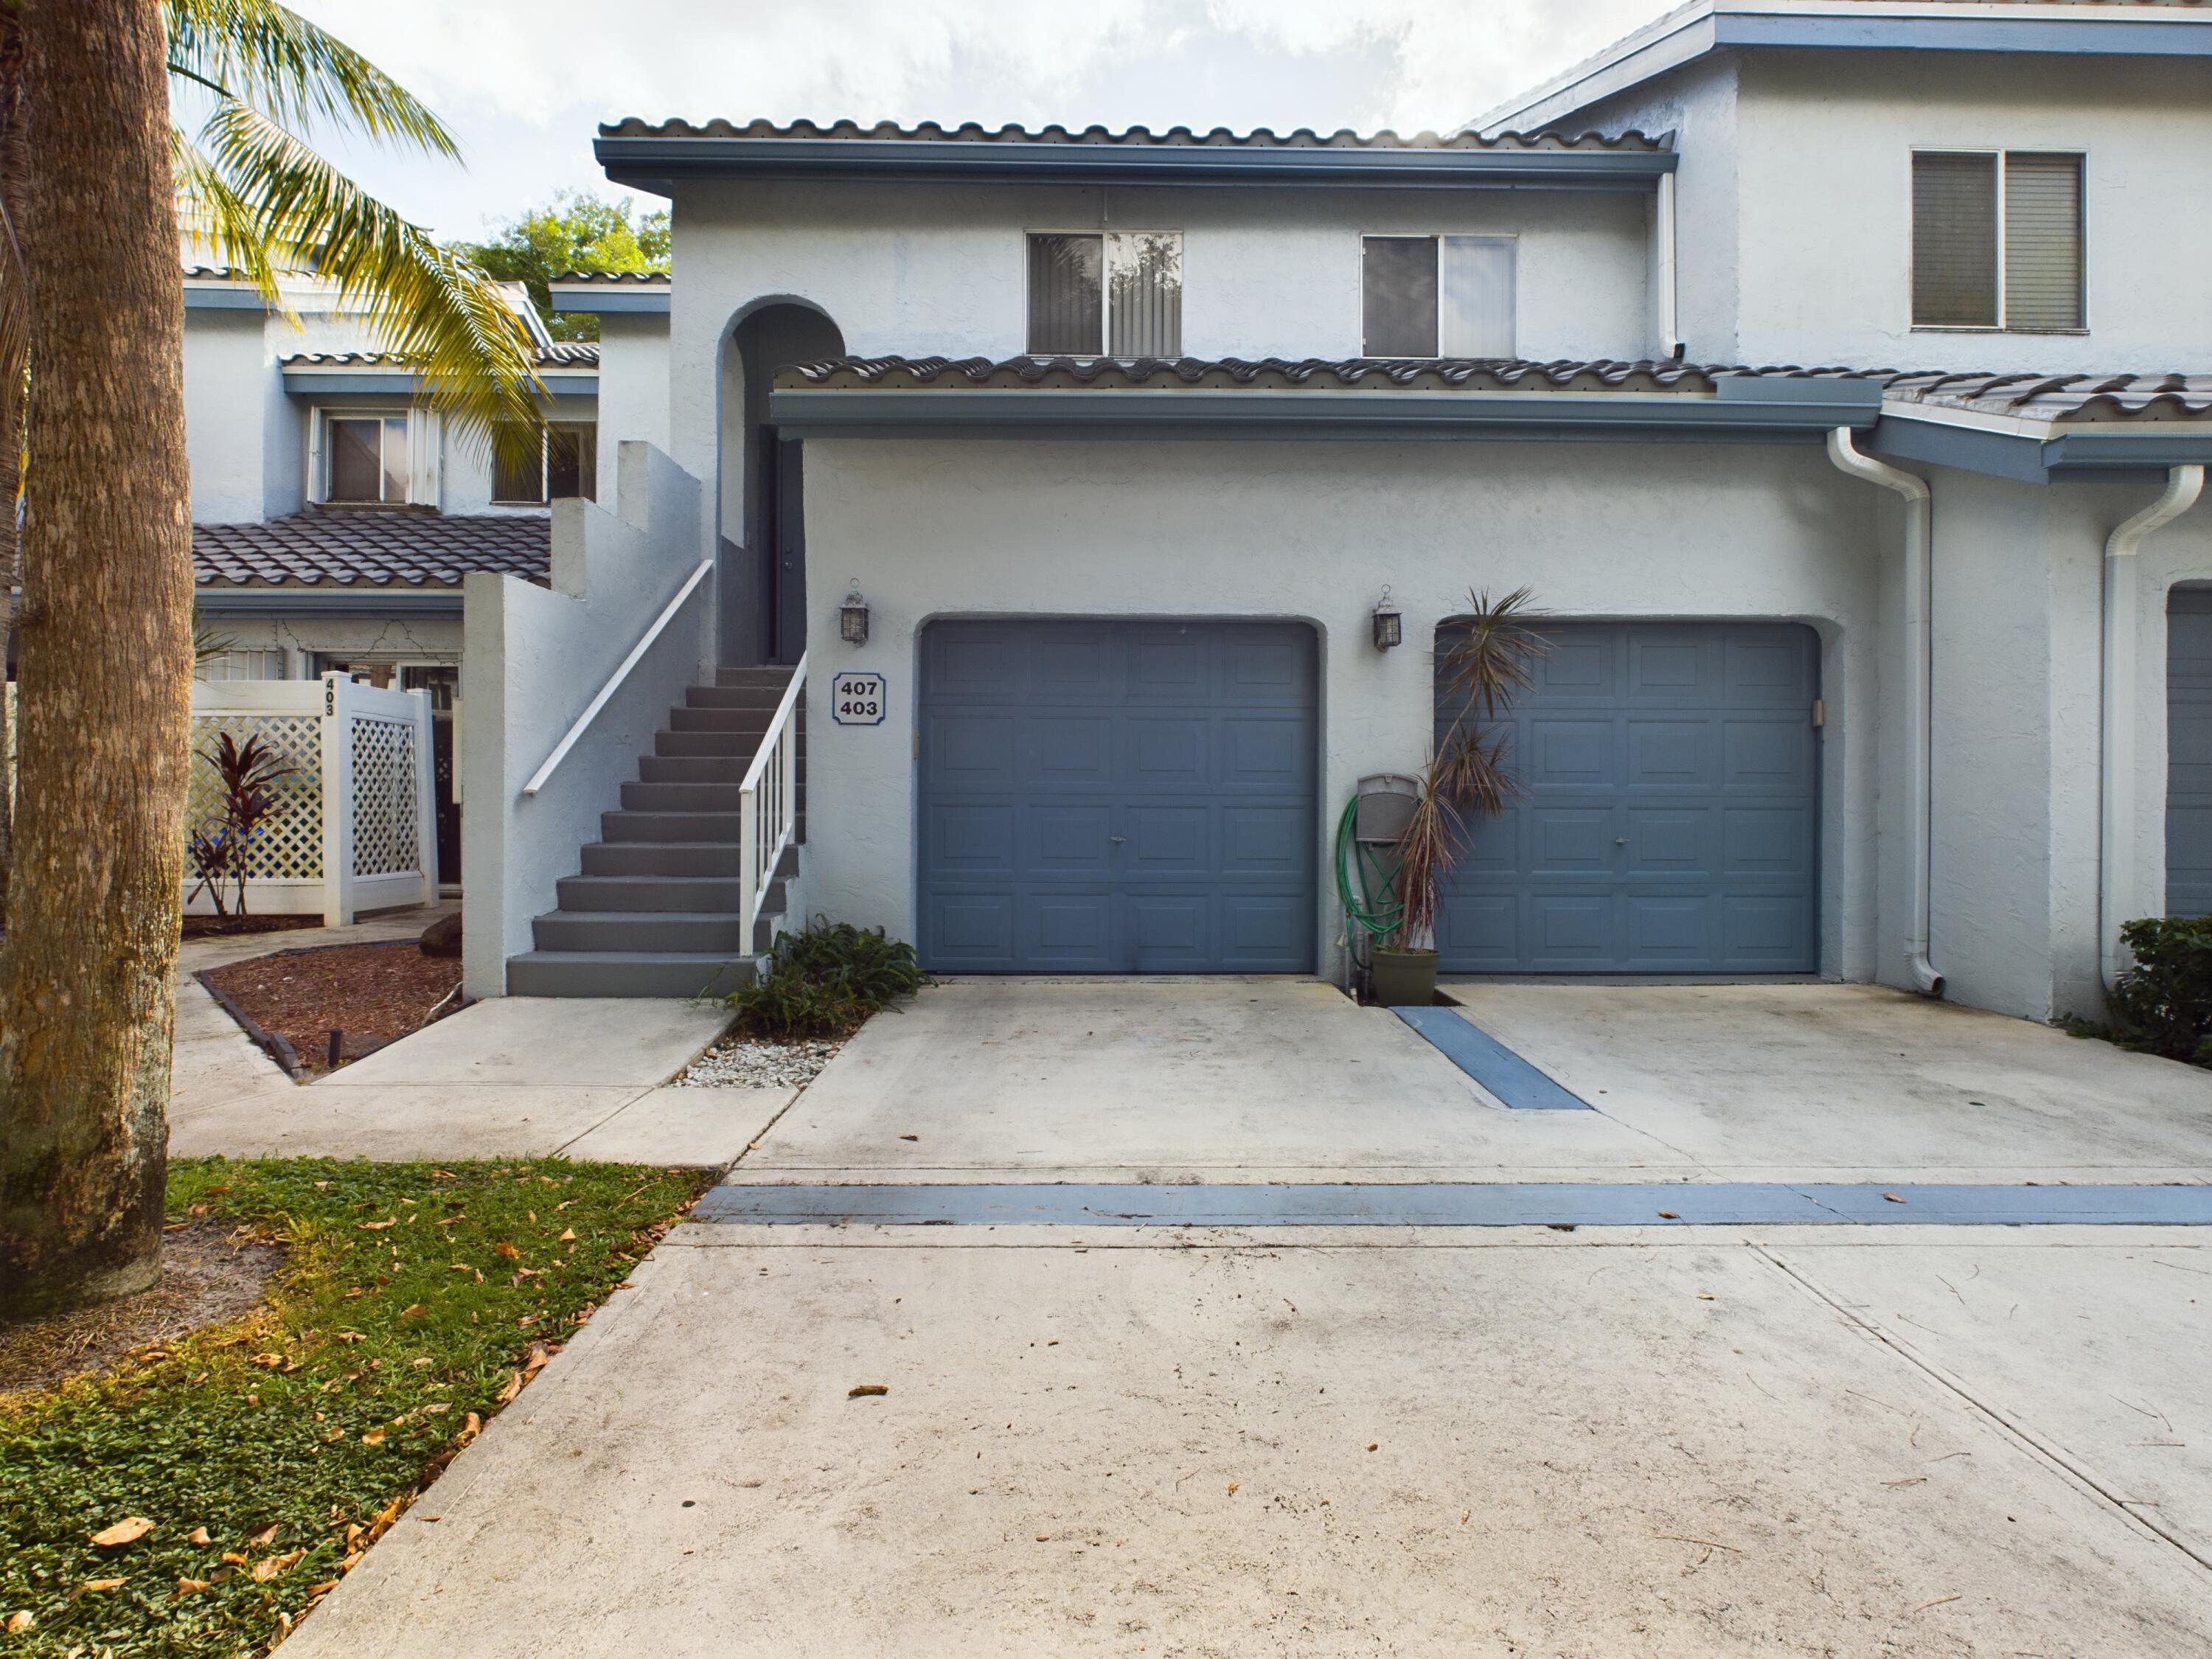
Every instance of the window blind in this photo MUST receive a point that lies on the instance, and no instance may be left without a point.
(1066, 302)
(1144, 294)
(1954, 241)
(1398, 296)
(2043, 241)
(1477, 296)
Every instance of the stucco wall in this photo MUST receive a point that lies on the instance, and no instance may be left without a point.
(396, 635)
(920, 271)
(227, 432)
(633, 387)
(1311, 532)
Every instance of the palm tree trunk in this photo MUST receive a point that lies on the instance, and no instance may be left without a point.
(85, 1010)
(15, 385)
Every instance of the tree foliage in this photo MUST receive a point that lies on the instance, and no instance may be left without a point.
(575, 231)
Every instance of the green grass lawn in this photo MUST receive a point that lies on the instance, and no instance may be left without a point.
(267, 1453)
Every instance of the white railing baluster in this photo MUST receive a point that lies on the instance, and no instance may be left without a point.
(768, 802)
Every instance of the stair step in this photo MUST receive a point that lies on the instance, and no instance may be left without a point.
(737, 744)
(636, 893)
(680, 858)
(672, 826)
(734, 696)
(681, 797)
(626, 974)
(661, 933)
(692, 769)
(754, 720)
(776, 676)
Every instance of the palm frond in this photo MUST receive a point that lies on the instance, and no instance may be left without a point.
(219, 214)
(431, 307)
(262, 53)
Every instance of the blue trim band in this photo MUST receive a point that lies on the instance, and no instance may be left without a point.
(1514, 1082)
(654, 163)
(223, 299)
(601, 302)
(228, 601)
(1455, 1203)
(1024, 412)
(326, 382)
(2030, 458)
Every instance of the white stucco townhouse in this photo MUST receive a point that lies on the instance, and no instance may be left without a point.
(1837, 374)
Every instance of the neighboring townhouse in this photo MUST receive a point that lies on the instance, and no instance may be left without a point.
(333, 518)
(1117, 491)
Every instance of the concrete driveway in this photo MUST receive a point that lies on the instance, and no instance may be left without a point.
(1121, 1439)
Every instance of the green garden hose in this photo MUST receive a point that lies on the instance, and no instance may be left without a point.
(1364, 880)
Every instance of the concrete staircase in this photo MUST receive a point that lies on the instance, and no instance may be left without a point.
(655, 911)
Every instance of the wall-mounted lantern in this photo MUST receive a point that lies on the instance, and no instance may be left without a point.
(1390, 626)
(853, 618)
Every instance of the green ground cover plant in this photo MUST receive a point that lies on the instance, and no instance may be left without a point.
(826, 982)
(198, 1499)
(2162, 1004)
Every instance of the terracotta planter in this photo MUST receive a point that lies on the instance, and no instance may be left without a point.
(1404, 979)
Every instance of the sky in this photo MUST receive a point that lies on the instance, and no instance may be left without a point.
(525, 83)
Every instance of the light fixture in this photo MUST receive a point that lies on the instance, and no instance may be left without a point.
(1390, 626)
(853, 618)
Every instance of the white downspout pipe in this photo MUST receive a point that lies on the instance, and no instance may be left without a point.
(2116, 884)
(1918, 698)
(1662, 268)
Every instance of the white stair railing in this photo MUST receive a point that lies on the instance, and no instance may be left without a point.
(767, 803)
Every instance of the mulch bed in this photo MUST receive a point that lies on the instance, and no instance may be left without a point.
(233, 927)
(373, 994)
(209, 1275)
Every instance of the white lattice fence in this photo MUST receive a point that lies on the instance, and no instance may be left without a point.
(355, 828)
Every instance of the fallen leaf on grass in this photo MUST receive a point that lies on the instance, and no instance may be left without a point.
(129, 1531)
(872, 1390)
(323, 1589)
(198, 1535)
(351, 1336)
(472, 1426)
(261, 1535)
(91, 1585)
(414, 1310)
(538, 1358)
(507, 1250)
(190, 1587)
(372, 1437)
(511, 1388)
(568, 1236)
(376, 1226)
(20, 1621)
(269, 1565)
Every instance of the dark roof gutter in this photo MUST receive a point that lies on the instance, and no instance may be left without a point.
(1766, 416)
(656, 163)
(219, 599)
(2039, 457)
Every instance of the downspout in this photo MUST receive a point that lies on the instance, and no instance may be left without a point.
(1662, 268)
(1918, 711)
(2116, 884)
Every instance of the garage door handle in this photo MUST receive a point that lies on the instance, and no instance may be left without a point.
(1117, 840)
(1621, 841)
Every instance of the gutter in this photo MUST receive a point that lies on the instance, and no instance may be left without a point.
(1919, 572)
(1757, 410)
(2116, 877)
(654, 163)
(234, 601)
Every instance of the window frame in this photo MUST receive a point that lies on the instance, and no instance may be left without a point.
(1437, 239)
(1103, 233)
(2002, 155)
(545, 496)
(323, 455)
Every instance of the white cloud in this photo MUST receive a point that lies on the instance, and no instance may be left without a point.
(525, 83)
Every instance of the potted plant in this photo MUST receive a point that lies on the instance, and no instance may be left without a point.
(1478, 675)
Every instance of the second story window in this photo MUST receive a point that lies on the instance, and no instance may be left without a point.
(1437, 296)
(567, 463)
(1996, 240)
(368, 459)
(1111, 294)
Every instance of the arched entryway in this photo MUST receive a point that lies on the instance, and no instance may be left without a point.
(764, 574)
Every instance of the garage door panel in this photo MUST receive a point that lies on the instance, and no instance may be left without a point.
(1669, 817)
(2189, 752)
(1150, 805)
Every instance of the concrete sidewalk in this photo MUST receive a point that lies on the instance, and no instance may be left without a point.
(522, 1077)
(1195, 1443)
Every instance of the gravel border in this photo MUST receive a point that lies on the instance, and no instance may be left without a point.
(737, 1062)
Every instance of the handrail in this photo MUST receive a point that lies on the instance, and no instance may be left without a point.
(614, 683)
(776, 725)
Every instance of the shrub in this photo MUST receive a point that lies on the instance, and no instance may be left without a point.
(2164, 1003)
(826, 982)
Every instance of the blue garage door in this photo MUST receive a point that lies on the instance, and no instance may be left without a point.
(1669, 824)
(2189, 752)
(1101, 797)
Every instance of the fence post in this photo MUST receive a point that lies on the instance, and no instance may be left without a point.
(337, 801)
(426, 794)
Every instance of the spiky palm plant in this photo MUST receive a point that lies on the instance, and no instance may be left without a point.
(1481, 673)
